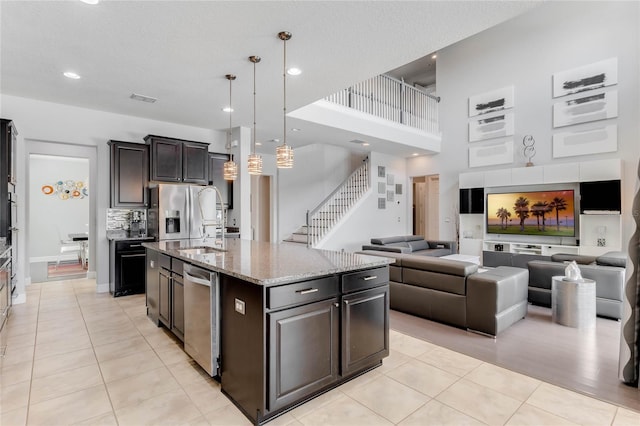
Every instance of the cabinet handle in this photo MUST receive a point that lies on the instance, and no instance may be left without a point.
(346, 302)
(135, 245)
(337, 305)
(307, 291)
(370, 277)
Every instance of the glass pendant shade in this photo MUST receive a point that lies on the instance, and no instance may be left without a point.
(255, 164)
(284, 153)
(230, 170)
(284, 157)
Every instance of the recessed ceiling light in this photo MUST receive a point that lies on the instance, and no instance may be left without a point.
(227, 109)
(258, 143)
(365, 143)
(90, 1)
(294, 71)
(415, 154)
(434, 56)
(72, 75)
(275, 140)
(295, 129)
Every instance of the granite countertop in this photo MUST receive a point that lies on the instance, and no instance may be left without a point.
(268, 264)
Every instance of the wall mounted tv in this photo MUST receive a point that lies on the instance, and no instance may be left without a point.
(543, 213)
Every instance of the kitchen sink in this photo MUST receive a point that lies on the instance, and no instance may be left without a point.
(200, 250)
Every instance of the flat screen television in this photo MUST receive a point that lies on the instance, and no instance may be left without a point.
(543, 213)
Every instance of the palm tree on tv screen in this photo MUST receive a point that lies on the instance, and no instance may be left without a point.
(521, 207)
(503, 214)
(559, 204)
(539, 209)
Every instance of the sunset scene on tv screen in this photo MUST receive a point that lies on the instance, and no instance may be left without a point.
(548, 213)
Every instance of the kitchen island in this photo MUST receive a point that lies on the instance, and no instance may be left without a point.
(292, 322)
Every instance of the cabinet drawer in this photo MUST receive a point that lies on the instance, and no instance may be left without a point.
(177, 266)
(301, 293)
(365, 279)
(164, 261)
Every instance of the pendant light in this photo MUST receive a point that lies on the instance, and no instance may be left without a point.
(255, 160)
(284, 153)
(230, 168)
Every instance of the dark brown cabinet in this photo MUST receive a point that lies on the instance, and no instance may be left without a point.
(216, 178)
(152, 289)
(365, 328)
(304, 345)
(176, 160)
(169, 297)
(283, 344)
(129, 174)
(7, 174)
(127, 267)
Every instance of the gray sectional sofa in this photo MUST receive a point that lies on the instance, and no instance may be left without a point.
(414, 244)
(608, 271)
(455, 293)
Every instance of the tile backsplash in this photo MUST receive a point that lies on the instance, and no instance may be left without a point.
(120, 219)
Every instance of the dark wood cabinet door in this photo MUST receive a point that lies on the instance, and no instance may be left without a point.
(152, 287)
(195, 166)
(164, 299)
(166, 160)
(177, 305)
(216, 178)
(365, 328)
(303, 351)
(129, 174)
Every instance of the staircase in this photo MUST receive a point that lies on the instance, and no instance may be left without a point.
(331, 210)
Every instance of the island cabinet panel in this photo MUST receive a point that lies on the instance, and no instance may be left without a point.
(152, 289)
(177, 305)
(365, 328)
(303, 351)
(164, 297)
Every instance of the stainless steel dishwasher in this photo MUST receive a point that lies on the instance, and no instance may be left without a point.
(202, 317)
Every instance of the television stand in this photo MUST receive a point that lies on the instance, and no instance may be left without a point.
(528, 248)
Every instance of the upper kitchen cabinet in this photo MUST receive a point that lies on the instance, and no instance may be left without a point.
(129, 174)
(7, 176)
(216, 178)
(177, 160)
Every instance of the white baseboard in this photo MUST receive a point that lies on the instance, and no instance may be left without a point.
(102, 288)
(91, 274)
(52, 258)
(19, 299)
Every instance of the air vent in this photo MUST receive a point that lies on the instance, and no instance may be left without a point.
(143, 98)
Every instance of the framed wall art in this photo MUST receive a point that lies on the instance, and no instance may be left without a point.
(586, 108)
(496, 100)
(588, 77)
(585, 142)
(491, 127)
(490, 155)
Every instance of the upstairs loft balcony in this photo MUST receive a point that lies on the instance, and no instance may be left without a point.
(388, 110)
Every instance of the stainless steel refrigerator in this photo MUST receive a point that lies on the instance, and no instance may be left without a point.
(175, 212)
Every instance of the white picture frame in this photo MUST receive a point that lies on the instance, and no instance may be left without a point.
(496, 100)
(585, 142)
(492, 154)
(584, 78)
(495, 126)
(585, 108)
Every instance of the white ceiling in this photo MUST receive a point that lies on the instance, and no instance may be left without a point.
(180, 51)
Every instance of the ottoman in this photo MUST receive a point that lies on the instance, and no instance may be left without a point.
(496, 299)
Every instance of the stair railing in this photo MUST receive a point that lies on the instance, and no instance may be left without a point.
(321, 219)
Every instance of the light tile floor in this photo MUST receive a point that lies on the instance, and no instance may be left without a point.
(77, 357)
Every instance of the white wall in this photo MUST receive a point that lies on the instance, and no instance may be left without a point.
(317, 171)
(525, 52)
(50, 213)
(366, 220)
(50, 122)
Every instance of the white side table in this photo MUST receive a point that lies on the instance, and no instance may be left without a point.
(573, 303)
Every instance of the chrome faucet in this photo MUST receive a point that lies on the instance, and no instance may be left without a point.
(207, 223)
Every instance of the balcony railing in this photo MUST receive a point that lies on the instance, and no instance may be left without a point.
(392, 100)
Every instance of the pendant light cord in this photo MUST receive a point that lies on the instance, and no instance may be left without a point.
(284, 91)
(254, 108)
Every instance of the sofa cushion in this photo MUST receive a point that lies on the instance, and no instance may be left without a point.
(443, 266)
(613, 258)
(387, 240)
(391, 249)
(432, 252)
(580, 259)
(418, 245)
